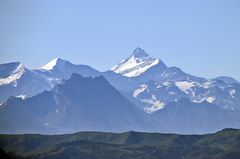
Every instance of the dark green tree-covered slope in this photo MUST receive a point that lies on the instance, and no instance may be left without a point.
(98, 145)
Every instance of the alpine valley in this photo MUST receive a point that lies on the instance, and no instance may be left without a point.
(140, 93)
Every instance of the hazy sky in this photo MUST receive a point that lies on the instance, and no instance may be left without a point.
(201, 37)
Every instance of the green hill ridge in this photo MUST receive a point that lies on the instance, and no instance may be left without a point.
(137, 145)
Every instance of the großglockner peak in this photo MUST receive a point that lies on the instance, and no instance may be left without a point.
(136, 64)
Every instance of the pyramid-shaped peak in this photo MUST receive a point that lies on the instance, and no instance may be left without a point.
(136, 64)
(56, 62)
(139, 53)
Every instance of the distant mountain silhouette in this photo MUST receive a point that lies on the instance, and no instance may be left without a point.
(76, 104)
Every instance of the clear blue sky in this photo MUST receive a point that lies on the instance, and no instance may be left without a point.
(201, 37)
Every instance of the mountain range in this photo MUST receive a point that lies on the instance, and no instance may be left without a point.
(140, 93)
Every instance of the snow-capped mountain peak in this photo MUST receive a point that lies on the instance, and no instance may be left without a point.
(10, 72)
(57, 62)
(7, 69)
(136, 64)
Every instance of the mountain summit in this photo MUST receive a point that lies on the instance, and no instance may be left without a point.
(57, 62)
(136, 64)
(140, 53)
(10, 72)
